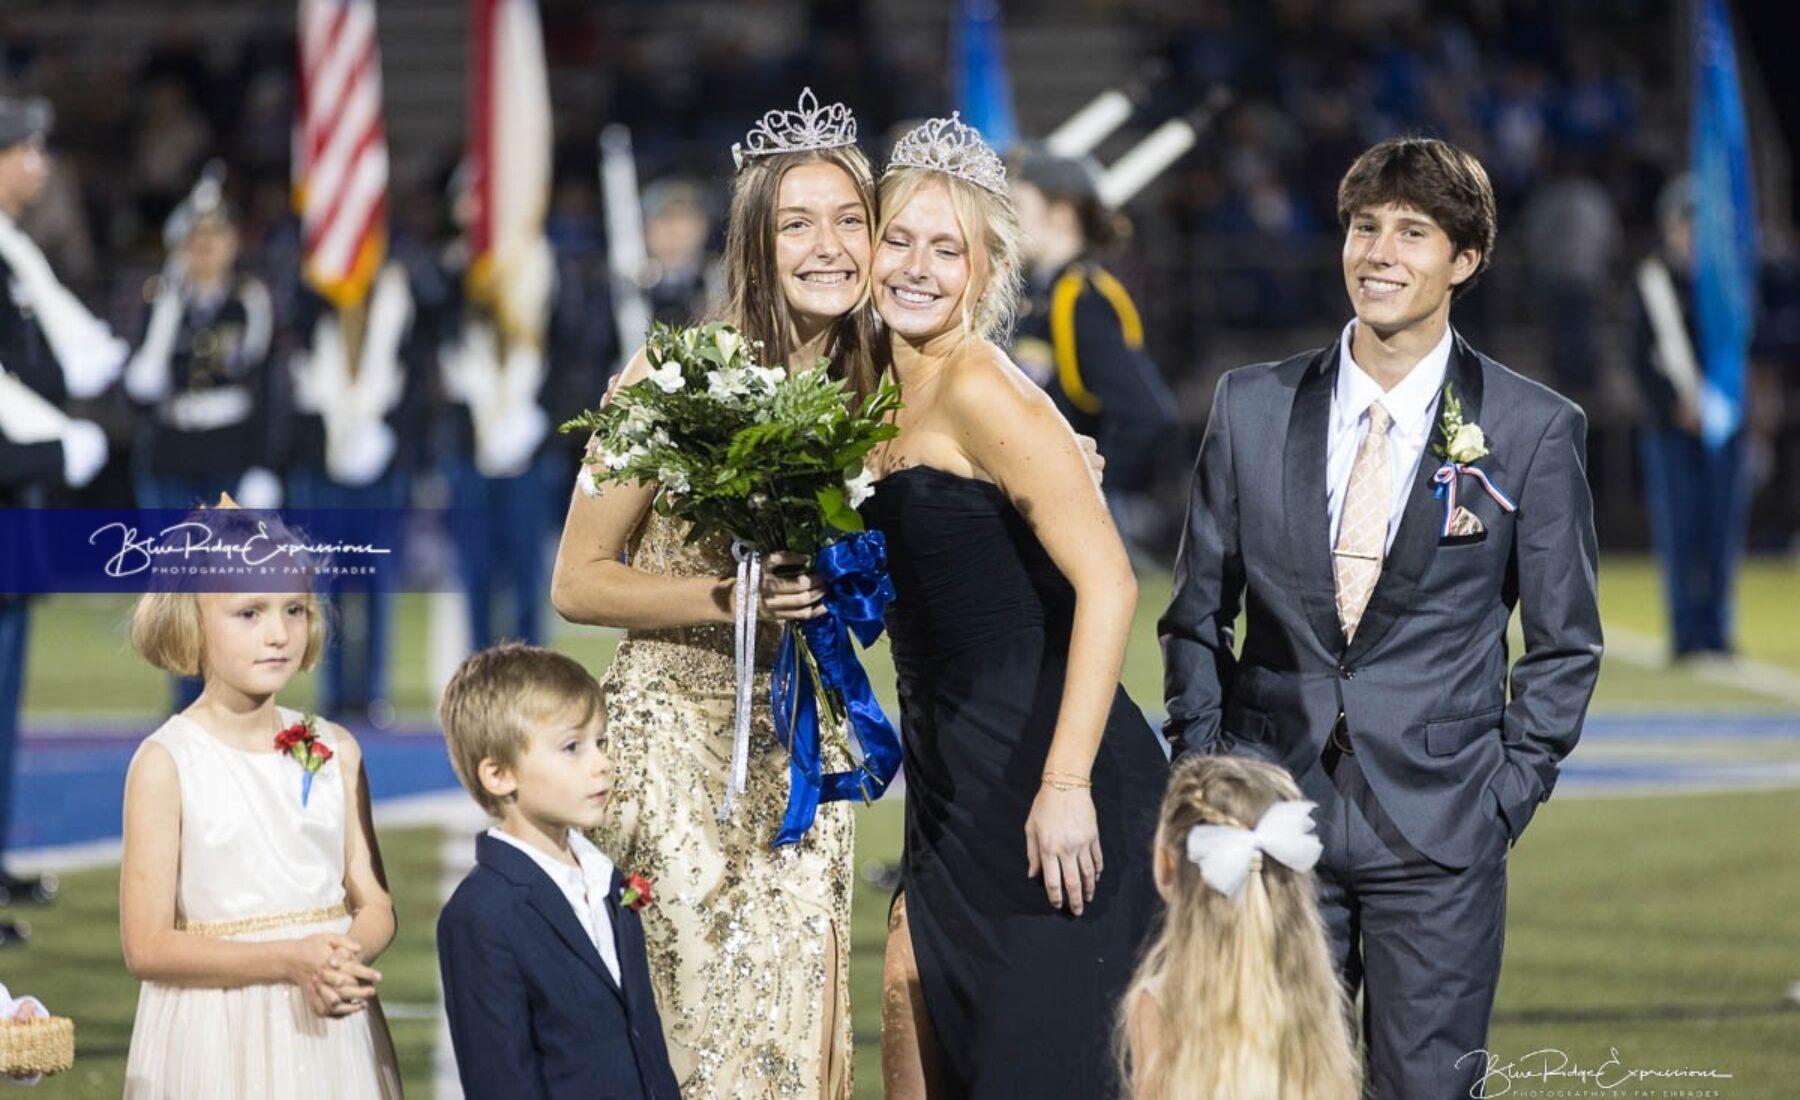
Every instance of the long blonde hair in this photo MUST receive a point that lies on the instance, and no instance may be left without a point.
(1235, 999)
(990, 227)
(754, 300)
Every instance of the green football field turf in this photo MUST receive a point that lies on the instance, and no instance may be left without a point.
(82, 662)
(1666, 928)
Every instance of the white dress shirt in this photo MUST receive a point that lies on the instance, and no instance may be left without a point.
(1412, 404)
(586, 888)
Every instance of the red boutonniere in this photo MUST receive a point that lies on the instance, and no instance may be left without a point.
(635, 894)
(301, 741)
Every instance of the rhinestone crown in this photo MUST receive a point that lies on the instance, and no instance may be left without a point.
(808, 127)
(951, 146)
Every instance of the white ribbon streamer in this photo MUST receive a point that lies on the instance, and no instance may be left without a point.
(749, 586)
(1225, 854)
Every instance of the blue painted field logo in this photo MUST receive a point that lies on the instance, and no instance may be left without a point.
(1550, 1072)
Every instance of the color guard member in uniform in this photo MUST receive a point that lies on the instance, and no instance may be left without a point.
(51, 350)
(201, 375)
(1079, 334)
(357, 436)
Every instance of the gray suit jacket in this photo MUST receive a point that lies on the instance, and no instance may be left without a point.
(1423, 688)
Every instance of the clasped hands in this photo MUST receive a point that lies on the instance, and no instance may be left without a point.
(329, 970)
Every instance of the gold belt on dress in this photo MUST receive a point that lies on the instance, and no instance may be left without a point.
(262, 924)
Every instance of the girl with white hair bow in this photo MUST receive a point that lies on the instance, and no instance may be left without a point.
(1236, 999)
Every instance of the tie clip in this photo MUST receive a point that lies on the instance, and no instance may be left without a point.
(1354, 554)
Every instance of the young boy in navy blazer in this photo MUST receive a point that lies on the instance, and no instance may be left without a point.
(542, 954)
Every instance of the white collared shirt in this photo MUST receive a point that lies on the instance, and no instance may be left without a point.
(1412, 404)
(586, 888)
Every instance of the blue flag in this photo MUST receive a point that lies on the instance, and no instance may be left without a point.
(1724, 224)
(981, 90)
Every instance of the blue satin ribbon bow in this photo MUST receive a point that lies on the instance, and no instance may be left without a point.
(858, 591)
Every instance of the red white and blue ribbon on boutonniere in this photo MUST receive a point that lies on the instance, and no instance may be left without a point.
(772, 460)
(1464, 443)
(301, 741)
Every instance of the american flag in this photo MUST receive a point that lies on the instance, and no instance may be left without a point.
(340, 149)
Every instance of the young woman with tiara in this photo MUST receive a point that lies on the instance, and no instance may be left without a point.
(1025, 760)
(1236, 999)
(748, 945)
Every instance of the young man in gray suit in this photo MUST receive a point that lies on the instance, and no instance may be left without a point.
(1379, 507)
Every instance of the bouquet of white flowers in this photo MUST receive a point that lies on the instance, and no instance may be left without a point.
(776, 462)
(772, 460)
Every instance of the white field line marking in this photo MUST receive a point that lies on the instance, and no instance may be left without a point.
(1743, 673)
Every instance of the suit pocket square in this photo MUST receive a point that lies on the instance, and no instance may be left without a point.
(1465, 522)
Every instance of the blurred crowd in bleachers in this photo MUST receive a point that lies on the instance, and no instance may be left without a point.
(1576, 109)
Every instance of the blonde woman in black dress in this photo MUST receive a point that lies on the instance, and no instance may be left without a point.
(1032, 779)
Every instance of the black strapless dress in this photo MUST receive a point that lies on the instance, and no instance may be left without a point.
(1022, 997)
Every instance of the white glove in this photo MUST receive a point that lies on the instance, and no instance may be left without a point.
(259, 488)
(84, 452)
(361, 453)
(505, 450)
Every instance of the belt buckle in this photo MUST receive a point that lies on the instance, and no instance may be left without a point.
(1339, 738)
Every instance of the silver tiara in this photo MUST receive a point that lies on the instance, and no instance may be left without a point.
(951, 146)
(808, 127)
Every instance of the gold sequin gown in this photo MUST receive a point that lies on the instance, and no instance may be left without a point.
(737, 933)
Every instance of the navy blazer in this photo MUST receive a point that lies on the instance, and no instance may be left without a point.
(533, 1011)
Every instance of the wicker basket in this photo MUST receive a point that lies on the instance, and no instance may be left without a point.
(29, 1047)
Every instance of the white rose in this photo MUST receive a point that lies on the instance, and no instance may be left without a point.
(860, 488)
(1468, 444)
(668, 377)
(768, 377)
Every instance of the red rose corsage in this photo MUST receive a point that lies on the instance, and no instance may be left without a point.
(635, 894)
(301, 741)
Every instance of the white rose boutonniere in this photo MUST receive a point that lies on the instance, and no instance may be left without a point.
(1464, 441)
(1464, 444)
(1468, 444)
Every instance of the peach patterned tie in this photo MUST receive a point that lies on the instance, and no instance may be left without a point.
(1362, 532)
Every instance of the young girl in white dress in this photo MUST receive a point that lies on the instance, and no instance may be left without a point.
(252, 900)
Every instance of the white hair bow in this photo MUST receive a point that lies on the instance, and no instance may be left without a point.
(1224, 853)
